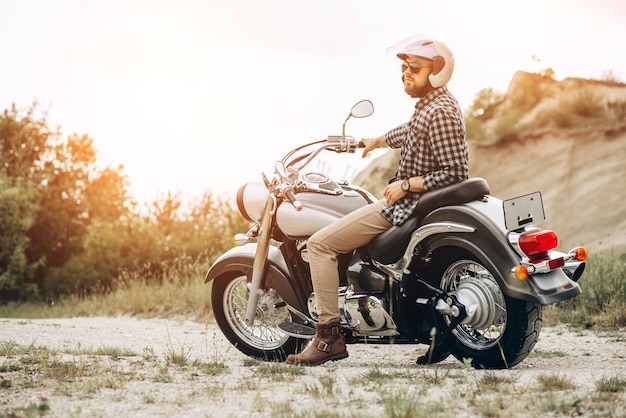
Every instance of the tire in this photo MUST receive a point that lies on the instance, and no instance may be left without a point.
(503, 331)
(262, 340)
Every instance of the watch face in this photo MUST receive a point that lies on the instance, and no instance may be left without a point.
(406, 186)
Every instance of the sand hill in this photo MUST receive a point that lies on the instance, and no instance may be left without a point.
(566, 139)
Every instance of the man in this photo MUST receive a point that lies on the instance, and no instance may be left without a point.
(433, 154)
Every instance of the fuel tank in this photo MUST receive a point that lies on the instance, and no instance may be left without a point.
(319, 209)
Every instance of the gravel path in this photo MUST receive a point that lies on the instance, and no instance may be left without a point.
(132, 367)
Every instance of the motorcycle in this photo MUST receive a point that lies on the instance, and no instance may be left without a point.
(466, 275)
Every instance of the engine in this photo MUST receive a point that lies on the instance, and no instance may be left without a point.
(364, 315)
(363, 302)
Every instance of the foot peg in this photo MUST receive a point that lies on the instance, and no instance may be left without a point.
(297, 330)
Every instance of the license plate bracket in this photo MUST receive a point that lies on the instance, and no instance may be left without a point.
(523, 210)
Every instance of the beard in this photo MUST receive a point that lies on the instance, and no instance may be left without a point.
(417, 91)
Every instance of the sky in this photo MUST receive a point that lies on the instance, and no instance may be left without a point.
(203, 95)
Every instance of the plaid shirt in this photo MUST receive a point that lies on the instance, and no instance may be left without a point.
(432, 145)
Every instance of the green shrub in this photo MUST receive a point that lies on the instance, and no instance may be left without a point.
(506, 127)
(603, 298)
(482, 109)
(170, 233)
(17, 213)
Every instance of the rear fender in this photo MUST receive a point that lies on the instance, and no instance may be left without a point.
(240, 261)
(490, 243)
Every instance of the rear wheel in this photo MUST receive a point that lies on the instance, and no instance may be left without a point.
(261, 339)
(499, 331)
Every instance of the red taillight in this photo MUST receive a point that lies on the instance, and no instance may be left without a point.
(538, 242)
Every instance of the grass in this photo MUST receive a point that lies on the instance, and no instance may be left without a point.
(539, 353)
(602, 303)
(180, 296)
(553, 382)
(80, 373)
(278, 389)
(612, 384)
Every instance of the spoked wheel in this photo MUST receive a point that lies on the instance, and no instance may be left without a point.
(499, 331)
(261, 339)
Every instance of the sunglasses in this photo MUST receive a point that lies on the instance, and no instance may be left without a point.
(414, 66)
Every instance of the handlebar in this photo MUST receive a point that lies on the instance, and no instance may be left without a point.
(343, 143)
(292, 199)
(287, 169)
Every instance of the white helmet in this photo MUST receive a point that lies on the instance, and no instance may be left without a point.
(423, 46)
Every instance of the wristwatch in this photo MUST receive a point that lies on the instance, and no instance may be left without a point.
(406, 186)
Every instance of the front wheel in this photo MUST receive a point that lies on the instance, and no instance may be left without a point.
(262, 339)
(499, 331)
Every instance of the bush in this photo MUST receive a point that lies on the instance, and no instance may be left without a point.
(569, 110)
(506, 127)
(481, 110)
(171, 233)
(603, 298)
(586, 103)
(17, 213)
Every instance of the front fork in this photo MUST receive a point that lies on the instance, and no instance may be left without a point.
(260, 258)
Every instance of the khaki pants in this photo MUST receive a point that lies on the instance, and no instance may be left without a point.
(343, 236)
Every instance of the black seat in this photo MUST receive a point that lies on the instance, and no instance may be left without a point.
(389, 246)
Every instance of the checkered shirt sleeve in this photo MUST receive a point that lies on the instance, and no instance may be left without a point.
(432, 145)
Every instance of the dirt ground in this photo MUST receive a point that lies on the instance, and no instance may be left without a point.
(138, 377)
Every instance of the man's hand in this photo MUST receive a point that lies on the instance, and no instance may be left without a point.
(373, 143)
(393, 192)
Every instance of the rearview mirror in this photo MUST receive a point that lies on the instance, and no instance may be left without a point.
(362, 109)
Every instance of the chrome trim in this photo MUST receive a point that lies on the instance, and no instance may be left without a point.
(513, 238)
(396, 270)
(570, 262)
(241, 239)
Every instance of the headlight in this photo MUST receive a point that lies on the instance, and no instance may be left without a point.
(251, 198)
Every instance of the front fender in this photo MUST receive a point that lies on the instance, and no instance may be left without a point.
(240, 261)
(490, 243)
(242, 254)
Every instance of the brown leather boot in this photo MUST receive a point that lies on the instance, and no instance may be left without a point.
(329, 344)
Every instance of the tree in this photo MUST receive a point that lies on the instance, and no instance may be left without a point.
(68, 225)
(73, 193)
(53, 190)
(482, 109)
(484, 101)
(24, 141)
(16, 216)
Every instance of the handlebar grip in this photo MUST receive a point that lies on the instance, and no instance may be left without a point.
(292, 199)
(360, 144)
